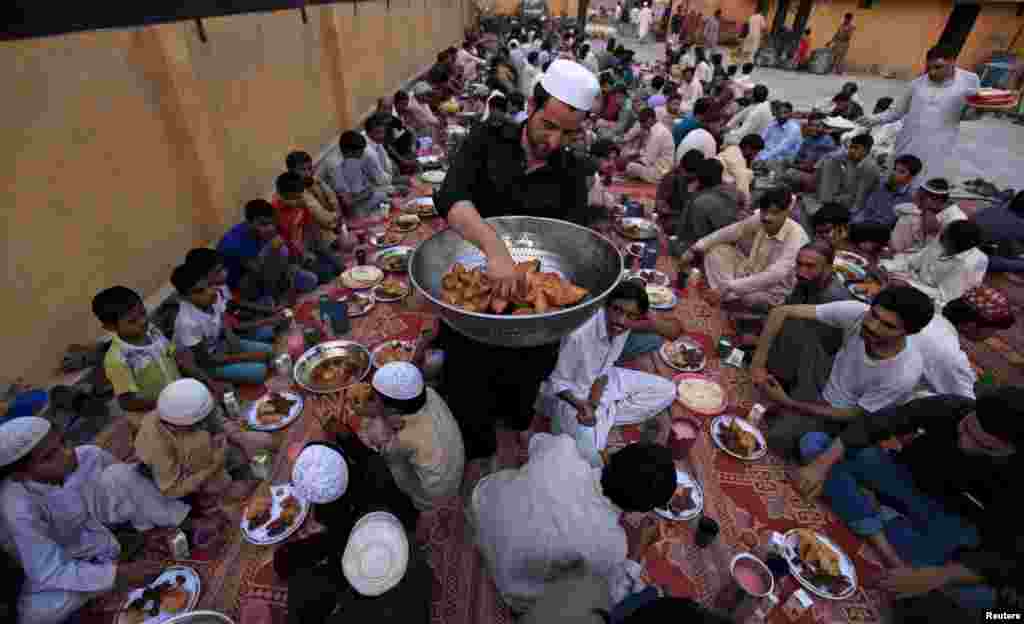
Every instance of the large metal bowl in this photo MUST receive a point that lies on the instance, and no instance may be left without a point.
(200, 617)
(310, 359)
(577, 253)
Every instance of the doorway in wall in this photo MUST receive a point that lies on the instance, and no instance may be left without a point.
(959, 25)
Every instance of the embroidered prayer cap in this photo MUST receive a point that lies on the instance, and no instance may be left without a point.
(184, 402)
(991, 305)
(399, 380)
(320, 474)
(377, 554)
(19, 436)
(572, 84)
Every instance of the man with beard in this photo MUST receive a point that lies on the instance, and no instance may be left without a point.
(508, 169)
(876, 367)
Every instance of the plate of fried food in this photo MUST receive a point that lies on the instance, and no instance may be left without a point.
(272, 519)
(362, 277)
(393, 260)
(389, 238)
(405, 223)
(175, 591)
(421, 206)
(273, 411)
(820, 565)
(433, 177)
(683, 354)
(393, 351)
(359, 304)
(865, 290)
(699, 394)
(739, 438)
(330, 366)
(850, 266)
(651, 277)
(688, 500)
(547, 291)
(637, 228)
(391, 290)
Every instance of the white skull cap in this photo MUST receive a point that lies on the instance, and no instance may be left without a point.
(398, 380)
(572, 84)
(320, 474)
(184, 402)
(422, 88)
(19, 436)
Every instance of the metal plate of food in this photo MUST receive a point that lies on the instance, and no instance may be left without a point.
(331, 366)
(174, 592)
(688, 500)
(273, 411)
(393, 259)
(637, 228)
(812, 553)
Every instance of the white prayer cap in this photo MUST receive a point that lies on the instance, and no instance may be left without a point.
(19, 436)
(184, 402)
(376, 555)
(398, 380)
(421, 88)
(513, 43)
(320, 474)
(572, 84)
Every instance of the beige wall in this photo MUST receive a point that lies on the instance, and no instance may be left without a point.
(125, 148)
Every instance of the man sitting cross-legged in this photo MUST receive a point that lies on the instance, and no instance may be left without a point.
(947, 527)
(767, 276)
(877, 366)
(587, 394)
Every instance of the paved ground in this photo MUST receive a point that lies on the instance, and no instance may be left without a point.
(991, 148)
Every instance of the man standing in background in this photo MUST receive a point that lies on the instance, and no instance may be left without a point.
(755, 27)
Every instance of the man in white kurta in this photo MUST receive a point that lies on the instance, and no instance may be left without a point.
(573, 394)
(940, 270)
(657, 158)
(545, 520)
(755, 26)
(644, 20)
(58, 532)
(931, 110)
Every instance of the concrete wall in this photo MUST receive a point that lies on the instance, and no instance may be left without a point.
(125, 148)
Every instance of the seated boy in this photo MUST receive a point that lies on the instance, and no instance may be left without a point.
(941, 512)
(831, 223)
(140, 361)
(357, 177)
(184, 444)
(208, 350)
(767, 276)
(257, 260)
(587, 394)
(255, 321)
(880, 204)
(877, 365)
(320, 199)
(304, 239)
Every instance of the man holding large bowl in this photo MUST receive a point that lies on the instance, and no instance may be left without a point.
(506, 169)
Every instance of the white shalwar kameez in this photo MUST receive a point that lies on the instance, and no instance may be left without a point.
(931, 119)
(59, 534)
(644, 20)
(630, 397)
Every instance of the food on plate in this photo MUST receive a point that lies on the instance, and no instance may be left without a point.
(634, 230)
(363, 276)
(868, 288)
(821, 563)
(393, 351)
(659, 295)
(278, 526)
(392, 287)
(684, 355)
(394, 263)
(258, 512)
(358, 304)
(274, 409)
(391, 237)
(290, 508)
(470, 289)
(337, 371)
(682, 501)
(359, 394)
(175, 599)
(700, 394)
(406, 221)
(737, 439)
(170, 597)
(848, 273)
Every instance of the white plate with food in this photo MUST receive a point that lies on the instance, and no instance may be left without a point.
(688, 500)
(359, 304)
(683, 354)
(273, 411)
(393, 260)
(853, 258)
(393, 351)
(389, 238)
(174, 592)
(422, 206)
(405, 222)
(820, 565)
(362, 277)
(391, 290)
(699, 394)
(661, 297)
(637, 228)
(738, 438)
(272, 519)
(433, 177)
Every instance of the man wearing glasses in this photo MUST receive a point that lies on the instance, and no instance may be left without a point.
(587, 395)
(931, 110)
